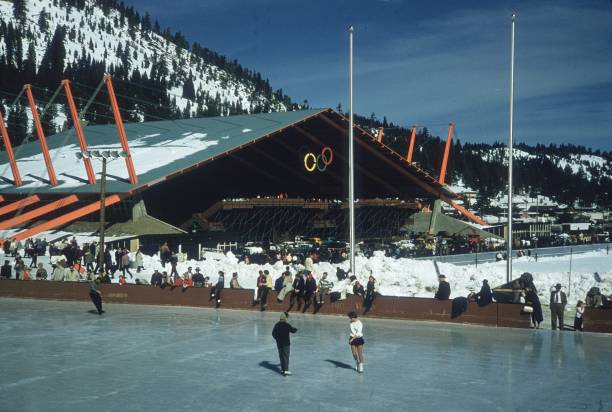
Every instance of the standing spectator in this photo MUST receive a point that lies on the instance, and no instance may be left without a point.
(218, 288)
(323, 289)
(234, 282)
(173, 263)
(88, 257)
(165, 254)
(308, 263)
(6, 246)
(33, 254)
(310, 289)
(558, 300)
(125, 262)
(280, 333)
(6, 270)
(578, 318)
(268, 287)
(41, 272)
(370, 293)
(261, 287)
(444, 291)
(356, 340)
(139, 261)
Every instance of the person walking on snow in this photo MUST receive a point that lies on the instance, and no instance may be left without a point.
(280, 333)
(356, 340)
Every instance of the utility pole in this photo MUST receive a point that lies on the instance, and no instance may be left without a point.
(102, 214)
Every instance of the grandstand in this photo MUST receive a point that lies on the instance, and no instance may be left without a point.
(287, 172)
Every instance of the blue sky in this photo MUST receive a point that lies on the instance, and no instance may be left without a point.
(425, 63)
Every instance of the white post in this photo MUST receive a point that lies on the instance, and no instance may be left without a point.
(509, 237)
(351, 159)
(199, 251)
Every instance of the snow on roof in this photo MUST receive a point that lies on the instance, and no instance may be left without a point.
(158, 149)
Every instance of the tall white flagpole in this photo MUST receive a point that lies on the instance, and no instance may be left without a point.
(351, 158)
(510, 157)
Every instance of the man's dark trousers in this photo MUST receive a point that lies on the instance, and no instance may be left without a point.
(283, 354)
(556, 310)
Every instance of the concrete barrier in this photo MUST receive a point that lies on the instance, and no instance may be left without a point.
(390, 307)
(597, 320)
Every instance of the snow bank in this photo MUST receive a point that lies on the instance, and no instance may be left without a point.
(409, 277)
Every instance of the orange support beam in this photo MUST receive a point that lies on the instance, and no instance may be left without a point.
(411, 145)
(43, 210)
(9, 151)
(67, 218)
(91, 176)
(446, 153)
(41, 136)
(380, 135)
(121, 130)
(467, 213)
(11, 207)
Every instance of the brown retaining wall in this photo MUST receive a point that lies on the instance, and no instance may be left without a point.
(495, 314)
(597, 320)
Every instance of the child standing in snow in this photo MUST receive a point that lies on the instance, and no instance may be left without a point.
(578, 318)
(356, 340)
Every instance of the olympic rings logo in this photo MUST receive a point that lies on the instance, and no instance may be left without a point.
(320, 161)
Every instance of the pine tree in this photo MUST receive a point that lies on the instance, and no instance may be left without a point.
(20, 11)
(29, 67)
(52, 65)
(17, 124)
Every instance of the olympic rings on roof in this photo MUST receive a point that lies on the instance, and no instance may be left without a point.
(320, 161)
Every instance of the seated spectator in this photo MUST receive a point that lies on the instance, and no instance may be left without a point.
(207, 282)
(166, 280)
(105, 278)
(198, 279)
(156, 279)
(234, 282)
(484, 297)
(6, 270)
(358, 289)
(122, 279)
(187, 282)
(19, 267)
(444, 291)
(72, 275)
(41, 272)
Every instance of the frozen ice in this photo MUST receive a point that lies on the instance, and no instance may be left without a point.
(59, 356)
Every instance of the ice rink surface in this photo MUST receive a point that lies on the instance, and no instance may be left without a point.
(57, 356)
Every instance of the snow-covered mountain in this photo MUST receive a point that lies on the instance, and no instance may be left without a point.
(44, 41)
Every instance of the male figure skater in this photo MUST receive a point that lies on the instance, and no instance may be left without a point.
(96, 295)
(281, 334)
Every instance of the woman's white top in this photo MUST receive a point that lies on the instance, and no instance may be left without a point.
(356, 329)
(579, 311)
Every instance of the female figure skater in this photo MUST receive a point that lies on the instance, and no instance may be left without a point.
(356, 340)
